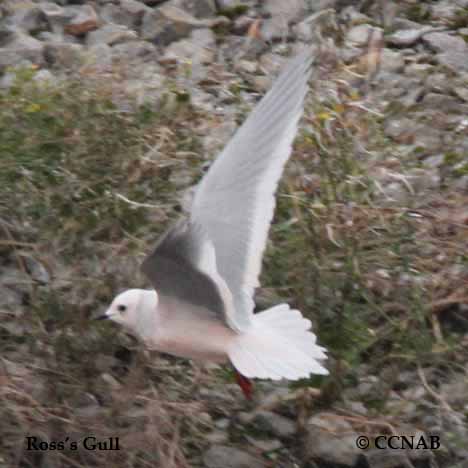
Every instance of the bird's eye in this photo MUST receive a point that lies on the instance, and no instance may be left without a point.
(121, 308)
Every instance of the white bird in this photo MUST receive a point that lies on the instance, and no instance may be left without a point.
(205, 268)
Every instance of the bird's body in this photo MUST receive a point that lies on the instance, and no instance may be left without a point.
(176, 328)
(205, 268)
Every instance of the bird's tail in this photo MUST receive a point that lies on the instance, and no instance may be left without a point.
(279, 344)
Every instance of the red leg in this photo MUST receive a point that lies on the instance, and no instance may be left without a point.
(245, 384)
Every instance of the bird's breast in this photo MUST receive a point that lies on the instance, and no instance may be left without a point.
(186, 331)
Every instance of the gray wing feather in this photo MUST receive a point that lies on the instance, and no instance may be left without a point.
(173, 269)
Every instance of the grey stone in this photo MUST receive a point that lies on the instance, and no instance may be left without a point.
(241, 25)
(461, 183)
(441, 102)
(8, 36)
(193, 53)
(437, 82)
(148, 90)
(391, 61)
(353, 17)
(129, 13)
(167, 24)
(399, 406)
(388, 14)
(150, 73)
(12, 327)
(417, 392)
(223, 456)
(134, 51)
(203, 101)
(446, 11)
(110, 381)
(86, 399)
(304, 31)
(45, 76)
(198, 50)
(205, 418)
(204, 37)
(401, 22)
(367, 384)
(47, 36)
(434, 161)
(406, 37)
(51, 9)
(250, 49)
(402, 130)
(274, 424)
(98, 58)
(331, 439)
(454, 60)
(428, 137)
(422, 180)
(357, 407)
(21, 49)
(217, 437)
(412, 97)
(182, 178)
(197, 8)
(271, 64)
(443, 42)
(461, 92)
(418, 69)
(15, 368)
(222, 423)
(13, 286)
(36, 269)
(394, 458)
(262, 83)
(27, 17)
(223, 5)
(246, 66)
(359, 35)
(265, 445)
(463, 32)
(7, 80)
(350, 54)
(11, 298)
(63, 55)
(272, 29)
(110, 34)
(319, 5)
(284, 13)
(456, 390)
(55, 15)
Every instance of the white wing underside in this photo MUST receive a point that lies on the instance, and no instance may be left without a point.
(235, 200)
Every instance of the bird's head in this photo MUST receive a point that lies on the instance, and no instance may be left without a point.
(126, 307)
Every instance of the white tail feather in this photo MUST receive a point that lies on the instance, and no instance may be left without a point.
(279, 344)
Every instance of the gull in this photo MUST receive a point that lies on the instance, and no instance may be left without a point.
(205, 268)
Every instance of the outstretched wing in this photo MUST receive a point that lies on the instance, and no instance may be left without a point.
(183, 266)
(235, 200)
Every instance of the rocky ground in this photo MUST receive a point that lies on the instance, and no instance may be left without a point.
(111, 110)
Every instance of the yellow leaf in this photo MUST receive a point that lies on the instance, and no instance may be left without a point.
(33, 107)
(339, 108)
(324, 115)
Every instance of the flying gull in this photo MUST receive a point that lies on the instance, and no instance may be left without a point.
(205, 268)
